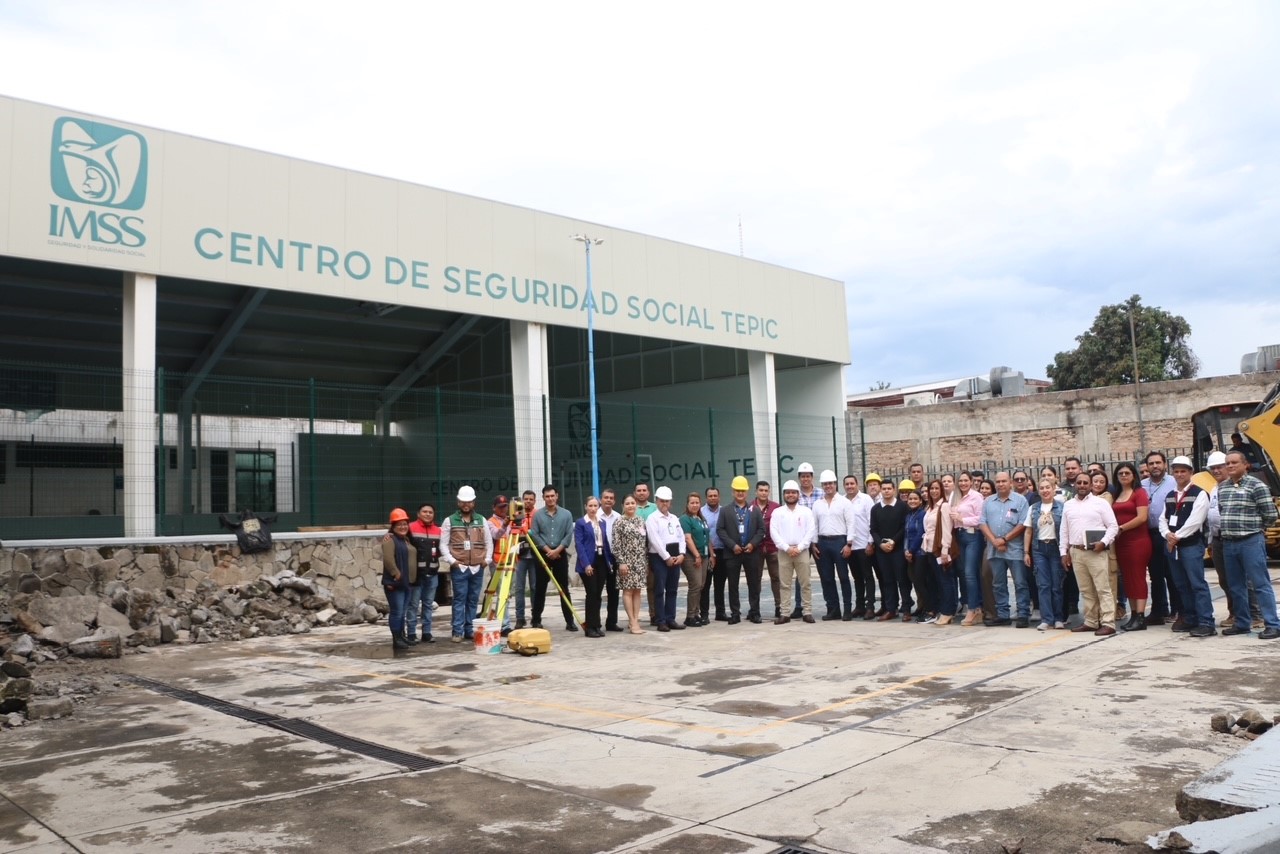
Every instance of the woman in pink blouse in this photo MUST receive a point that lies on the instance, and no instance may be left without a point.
(966, 516)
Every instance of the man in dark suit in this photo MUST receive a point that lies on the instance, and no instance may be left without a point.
(741, 529)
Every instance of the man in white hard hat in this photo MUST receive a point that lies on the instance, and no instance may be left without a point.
(467, 549)
(552, 532)
(666, 555)
(809, 495)
(791, 529)
(833, 525)
(742, 531)
(1182, 520)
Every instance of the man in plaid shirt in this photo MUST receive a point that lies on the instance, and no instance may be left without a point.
(1246, 510)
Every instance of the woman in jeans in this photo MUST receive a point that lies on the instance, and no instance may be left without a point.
(399, 573)
(1044, 518)
(966, 516)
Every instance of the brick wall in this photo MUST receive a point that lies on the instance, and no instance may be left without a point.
(1091, 423)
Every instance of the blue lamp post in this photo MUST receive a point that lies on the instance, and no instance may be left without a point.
(588, 242)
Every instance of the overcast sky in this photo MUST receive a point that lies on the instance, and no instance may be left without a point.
(982, 176)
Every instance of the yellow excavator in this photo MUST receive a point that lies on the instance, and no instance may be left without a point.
(1252, 428)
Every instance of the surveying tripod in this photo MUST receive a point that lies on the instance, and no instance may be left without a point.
(497, 592)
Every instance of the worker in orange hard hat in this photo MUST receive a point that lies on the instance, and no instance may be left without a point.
(399, 572)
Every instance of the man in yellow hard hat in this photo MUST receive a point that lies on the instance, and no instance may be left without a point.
(741, 528)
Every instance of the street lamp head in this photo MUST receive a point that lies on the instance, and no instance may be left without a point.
(582, 238)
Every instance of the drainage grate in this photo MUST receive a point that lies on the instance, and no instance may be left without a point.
(293, 726)
(306, 729)
(244, 713)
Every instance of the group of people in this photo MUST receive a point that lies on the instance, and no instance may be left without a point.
(929, 550)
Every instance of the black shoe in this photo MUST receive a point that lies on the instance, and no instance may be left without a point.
(869, 615)
(675, 627)
(848, 615)
(537, 624)
(570, 627)
(1234, 630)
(797, 614)
(398, 642)
(734, 620)
(754, 618)
(1137, 624)
(469, 636)
(1180, 627)
(663, 628)
(614, 628)
(1203, 632)
(1269, 634)
(831, 615)
(722, 618)
(593, 633)
(428, 639)
(411, 639)
(519, 624)
(505, 631)
(1021, 623)
(998, 621)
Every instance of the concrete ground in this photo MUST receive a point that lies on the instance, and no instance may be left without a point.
(861, 737)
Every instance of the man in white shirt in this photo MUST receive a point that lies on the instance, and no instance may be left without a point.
(666, 554)
(792, 531)
(809, 494)
(1083, 519)
(833, 522)
(1182, 520)
(864, 577)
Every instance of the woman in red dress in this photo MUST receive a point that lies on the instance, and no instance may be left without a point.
(1133, 546)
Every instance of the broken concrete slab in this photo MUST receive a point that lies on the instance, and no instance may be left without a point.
(1247, 833)
(1247, 781)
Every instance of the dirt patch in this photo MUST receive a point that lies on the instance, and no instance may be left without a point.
(696, 843)
(745, 750)
(1064, 818)
(627, 795)
(1256, 680)
(721, 680)
(754, 709)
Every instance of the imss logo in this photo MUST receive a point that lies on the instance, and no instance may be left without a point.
(97, 164)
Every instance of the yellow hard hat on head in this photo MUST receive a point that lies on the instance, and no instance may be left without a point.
(875, 477)
(739, 482)
(907, 485)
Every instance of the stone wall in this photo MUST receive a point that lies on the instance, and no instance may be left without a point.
(1096, 423)
(348, 566)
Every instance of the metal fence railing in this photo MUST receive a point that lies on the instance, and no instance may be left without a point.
(328, 455)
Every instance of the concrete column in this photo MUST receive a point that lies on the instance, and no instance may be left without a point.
(764, 406)
(139, 416)
(529, 387)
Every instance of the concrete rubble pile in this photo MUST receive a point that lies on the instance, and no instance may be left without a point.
(38, 628)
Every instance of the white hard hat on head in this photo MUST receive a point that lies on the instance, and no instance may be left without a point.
(663, 493)
(805, 468)
(791, 486)
(827, 476)
(1185, 462)
(1217, 458)
(466, 493)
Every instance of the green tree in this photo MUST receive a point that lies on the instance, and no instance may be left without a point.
(1104, 354)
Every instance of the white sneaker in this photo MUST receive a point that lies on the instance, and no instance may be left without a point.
(1043, 627)
(932, 619)
(1059, 625)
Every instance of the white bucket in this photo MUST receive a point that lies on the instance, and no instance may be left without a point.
(488, 634)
